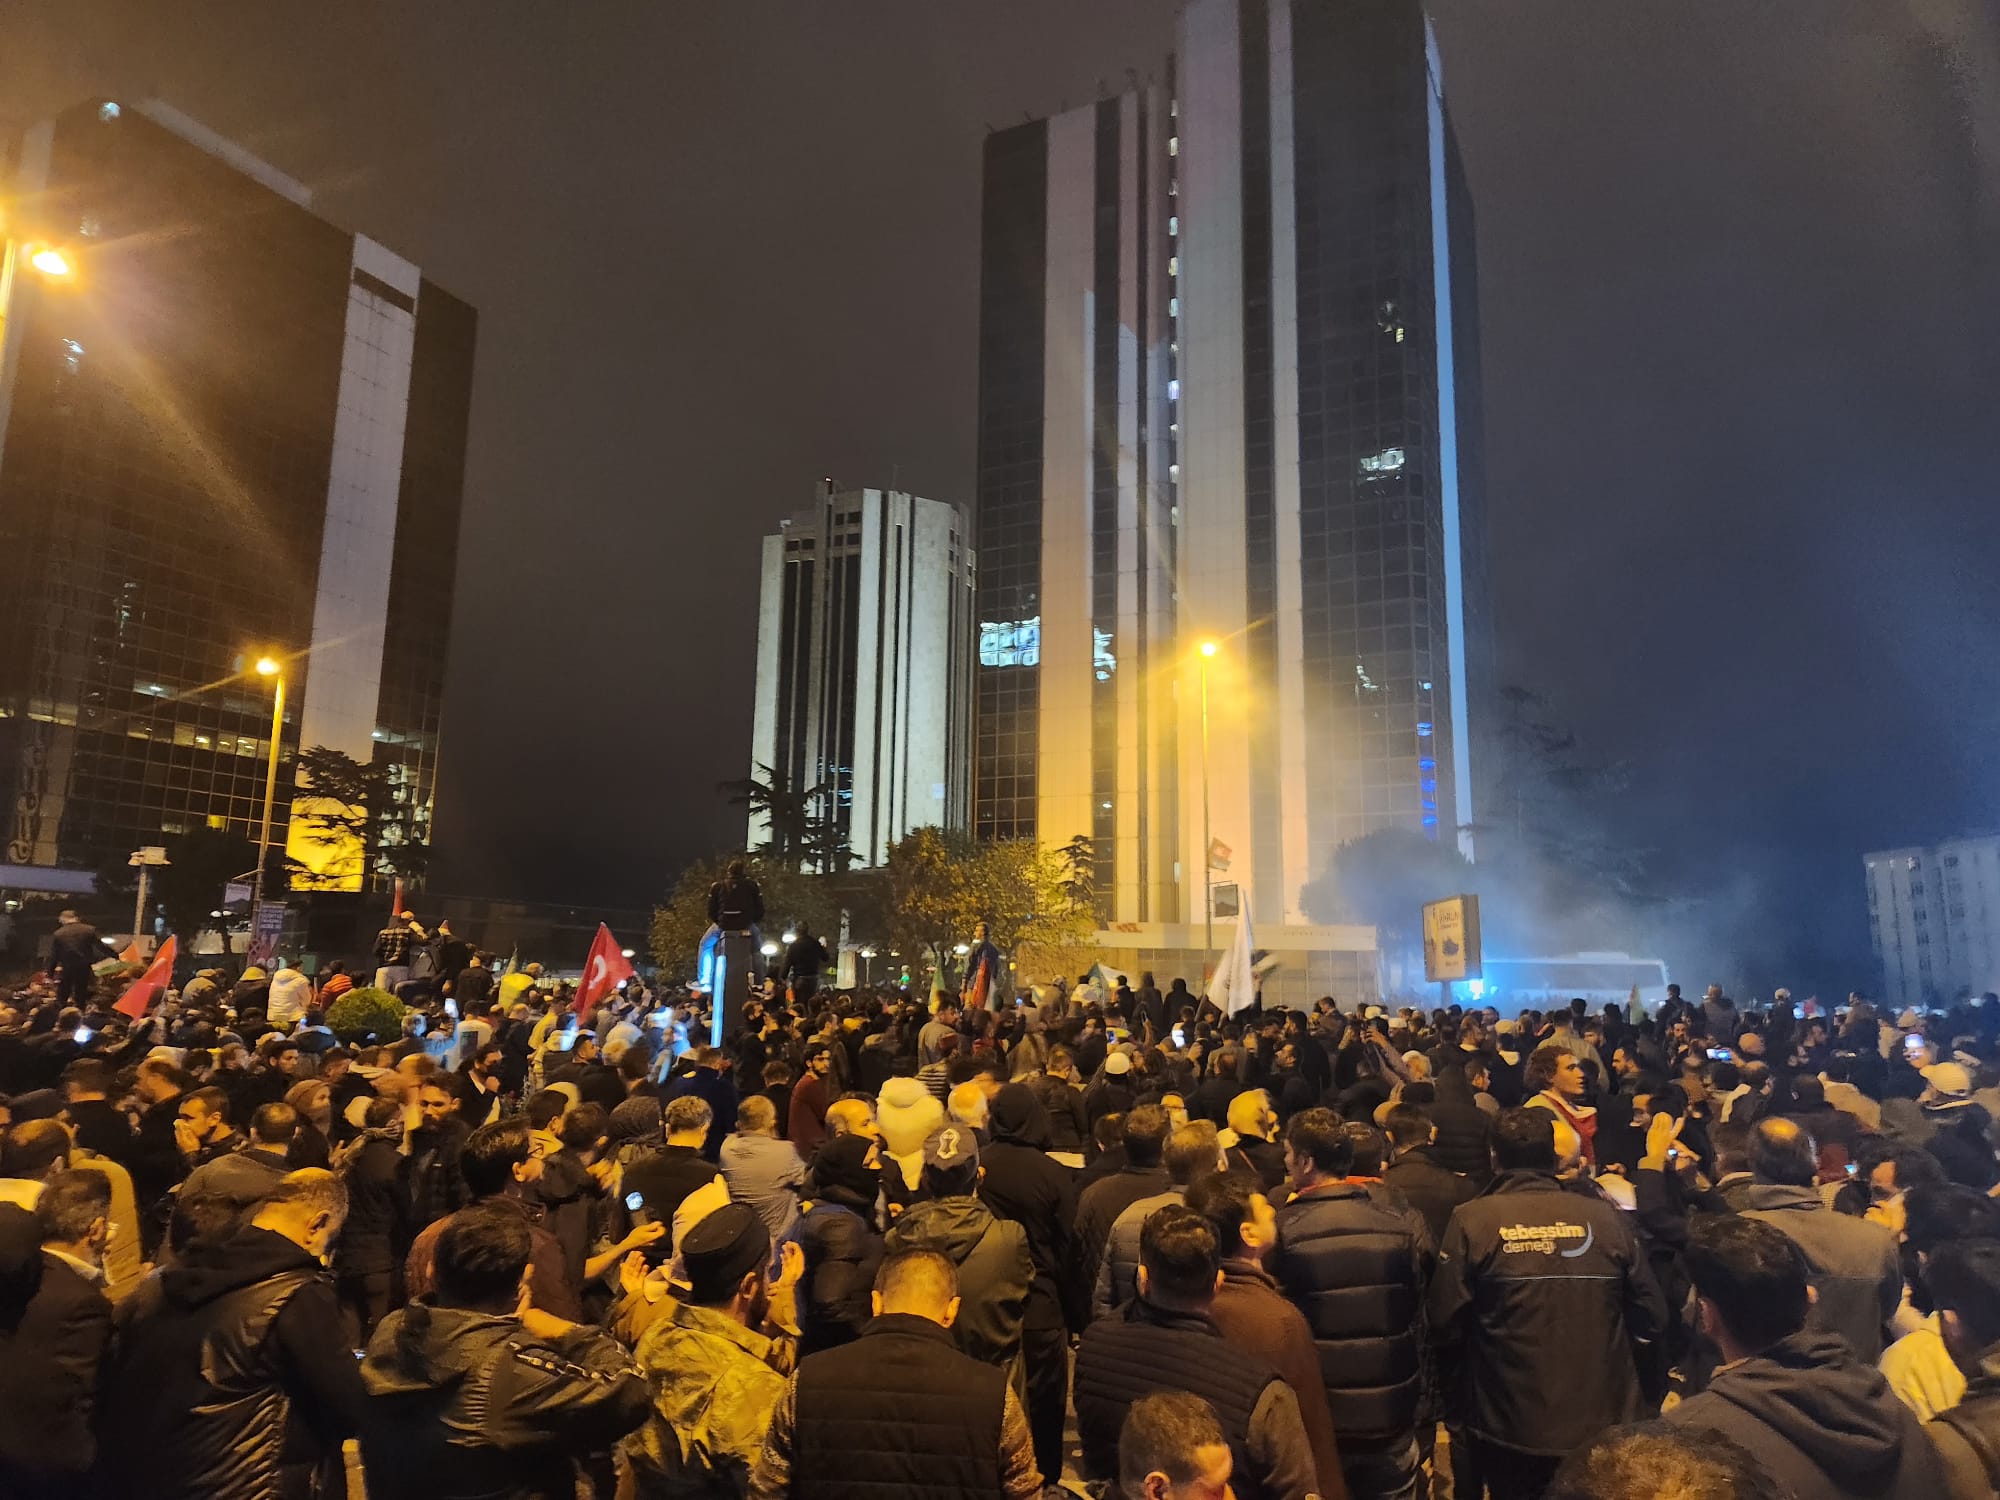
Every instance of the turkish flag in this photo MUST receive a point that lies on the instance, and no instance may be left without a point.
(606, 965)
(152, 984)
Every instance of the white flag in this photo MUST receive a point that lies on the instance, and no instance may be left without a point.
(1235, 987)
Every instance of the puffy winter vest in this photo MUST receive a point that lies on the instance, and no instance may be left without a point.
(899, 1414)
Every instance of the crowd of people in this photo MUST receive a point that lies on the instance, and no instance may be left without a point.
(1097, 1236)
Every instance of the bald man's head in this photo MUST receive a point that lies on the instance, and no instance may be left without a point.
(1782, 1152)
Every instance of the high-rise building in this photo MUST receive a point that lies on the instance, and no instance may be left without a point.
(228, 428)
(1229, 396)
(864, 672)
(1934, 916)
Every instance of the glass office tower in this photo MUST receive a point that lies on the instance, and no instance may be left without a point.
(227, 428)
(1275, 242)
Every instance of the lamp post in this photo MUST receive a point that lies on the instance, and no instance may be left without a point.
(268, 667)
(1208, 649)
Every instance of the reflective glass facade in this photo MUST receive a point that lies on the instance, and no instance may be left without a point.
(164, 477)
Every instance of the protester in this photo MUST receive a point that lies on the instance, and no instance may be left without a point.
(1856, 1270)
(249, 1176)
(899, 1410)
(474, 1392)
(1529, 1273)
(1813, 1416)
(1357, 1268)
(707, 1365)
(1251, 1310)
(1165, 1339)
(762, 1170)
(995, 1269)
(183, 1422)
(55, 1325)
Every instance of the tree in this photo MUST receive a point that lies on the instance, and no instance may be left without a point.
(789, 898)
(942, 884)
(342, 809)
(932, 899)
(1079, 858)
(794, 818)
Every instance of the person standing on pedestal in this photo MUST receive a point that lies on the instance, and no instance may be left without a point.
(984, 972)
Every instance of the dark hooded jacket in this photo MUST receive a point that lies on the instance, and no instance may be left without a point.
(995, 1271)
(465, 1404)
(236, 1383)
(1820, 1421)
(1024, 1184)
(842, 1249)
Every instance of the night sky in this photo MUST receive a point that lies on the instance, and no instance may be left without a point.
(1742, 363)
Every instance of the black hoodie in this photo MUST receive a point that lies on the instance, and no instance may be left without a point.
(1025, 1184)
(1818, 1419)
(238, 1370)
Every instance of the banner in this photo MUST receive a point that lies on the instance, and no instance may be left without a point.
(602, 971)
(152, 984)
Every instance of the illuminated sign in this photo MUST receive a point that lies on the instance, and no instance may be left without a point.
(1451, 939)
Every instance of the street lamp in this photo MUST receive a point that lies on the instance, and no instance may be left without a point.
(1208, 650)
(770, 950)
(50, 262)
(271, 668)
(867, 954)
(790, 936)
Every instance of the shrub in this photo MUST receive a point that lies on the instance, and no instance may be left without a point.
(366, 1014)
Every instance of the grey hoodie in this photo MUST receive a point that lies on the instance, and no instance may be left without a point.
(1855, 1266)
(1824, 1424)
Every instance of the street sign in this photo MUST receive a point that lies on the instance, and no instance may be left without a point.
(1451, 939)
(1218, 854)
(1228, 899)
(266, 923)
(236, 893)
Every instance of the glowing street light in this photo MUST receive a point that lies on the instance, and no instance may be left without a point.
(1209, 648)
(269, 667)
(627, 952)
(51, 262)
(770, 950)
(791, 936)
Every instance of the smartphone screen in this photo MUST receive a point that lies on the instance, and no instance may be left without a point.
(635, 1201)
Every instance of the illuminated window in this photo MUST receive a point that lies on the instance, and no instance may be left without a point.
(1010, 643)
(1388, 461)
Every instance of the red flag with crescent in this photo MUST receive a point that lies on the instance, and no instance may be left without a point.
(602, 971)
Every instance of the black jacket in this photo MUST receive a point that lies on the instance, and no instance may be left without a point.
(1357, 1266)
(54, 1325)
(75, 945)
(1069, 1122)
(843, 1253)
(1820, 1421)
(1544, 1303)
(1098, 1208)
(377, 1233)
(1429, 1187)
(236, 1382)
(466, 1406)
(899, 1414)
(663, 1179)
(1022, 1183)
(1266, 1159)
